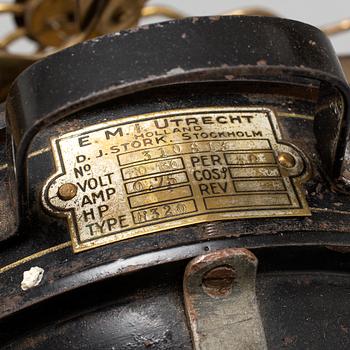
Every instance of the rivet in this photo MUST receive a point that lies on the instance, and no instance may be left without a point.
(286, 160)
(67, 191)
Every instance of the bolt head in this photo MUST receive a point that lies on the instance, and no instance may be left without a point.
(218, 282)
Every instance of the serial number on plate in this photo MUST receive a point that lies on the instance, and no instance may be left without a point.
(143, 174)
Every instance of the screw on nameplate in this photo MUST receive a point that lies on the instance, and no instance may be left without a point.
(67, 191)
(286, 160)
(220, 301)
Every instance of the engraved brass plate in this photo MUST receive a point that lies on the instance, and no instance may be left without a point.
(154, 172)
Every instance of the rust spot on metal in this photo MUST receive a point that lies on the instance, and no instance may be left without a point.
(339, 249)
(218, 282)
(344, 329)
(289, 340)
(148, 343)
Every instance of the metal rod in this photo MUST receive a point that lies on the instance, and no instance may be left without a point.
(163, 11)
(12, 8)
(251, 11)
(336, 28)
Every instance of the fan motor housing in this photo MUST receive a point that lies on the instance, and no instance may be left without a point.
(137, 151)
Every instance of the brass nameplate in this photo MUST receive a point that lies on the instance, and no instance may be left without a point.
(148, 173)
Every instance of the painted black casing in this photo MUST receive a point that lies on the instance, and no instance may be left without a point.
(128, 295)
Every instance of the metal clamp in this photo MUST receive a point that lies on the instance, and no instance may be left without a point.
(220, 301)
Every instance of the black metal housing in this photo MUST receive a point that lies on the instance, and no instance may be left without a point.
(302, 285)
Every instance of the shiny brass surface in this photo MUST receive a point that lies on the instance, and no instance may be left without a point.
(286, 160)
(51, 23)
(55, 25)
(252, 11)
(159, 171)
(119, 15)
(60, 23)
(12, 8)
(163, 11)
(339, 27)
(34, 256)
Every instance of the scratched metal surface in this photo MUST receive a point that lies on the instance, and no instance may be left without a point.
(303, 297)
(44, 240)
(328, 224)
